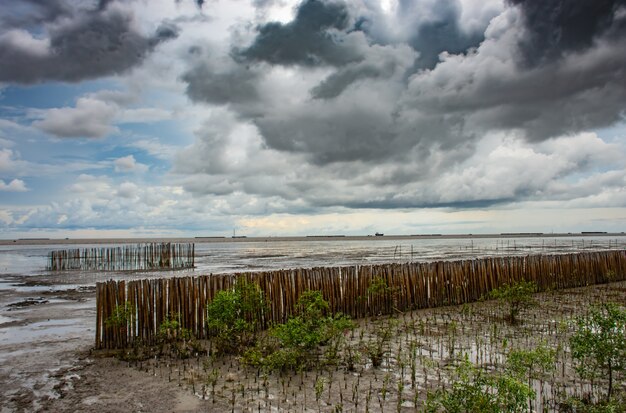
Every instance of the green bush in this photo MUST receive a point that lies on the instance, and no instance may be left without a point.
(176, 340)
(474, 390)
(235, 317)
(377, 346)
(599, 343)
(296, 344)
(577, 405)
(123, 316)
(532, 364)
(516, 297)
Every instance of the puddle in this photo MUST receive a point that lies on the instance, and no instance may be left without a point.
(49, 330)
(4, 320)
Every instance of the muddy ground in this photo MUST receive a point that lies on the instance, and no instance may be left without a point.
(419, 356)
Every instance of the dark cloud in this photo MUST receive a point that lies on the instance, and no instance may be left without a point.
(434, 112)
(439, 32)
(379, 63)
(308, 40)
(557, 98)
(235, 84)
(391, 203)
(93, 43)
(556, 27)
(336, 83)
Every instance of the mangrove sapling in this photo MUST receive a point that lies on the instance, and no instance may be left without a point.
(413, 362)
(599, 343)
(211, 380)
(234, 317)
(176, 340)
(319, 389)
(400, 390)
(377, 347)
(532, 364)
(380, 291)
(123, 319)
(473, 390)
(517, 297)
(295, 345)
(351, 356)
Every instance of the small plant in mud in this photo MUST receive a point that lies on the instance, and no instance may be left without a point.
(580, 405)
(474, 390)
(532, 364)
(123, 319)
(123, 316)
(351, 356)
(176, 340)
(610, 276)
(235, 317)
(377, 346)
(379, 290)
(319, 389)
(599, 343)
(516, 297)
(295, 345)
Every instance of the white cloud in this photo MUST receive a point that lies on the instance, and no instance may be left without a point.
(128, 164)
(16, 185)
(22, 39)
(127, 190)
(90, 118)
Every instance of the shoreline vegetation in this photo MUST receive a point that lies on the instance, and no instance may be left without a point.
(526, 342)
(243, 238)
(408, 286)
(431, 360)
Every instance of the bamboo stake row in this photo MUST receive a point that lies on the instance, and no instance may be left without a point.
(124, 258)
(409, 286)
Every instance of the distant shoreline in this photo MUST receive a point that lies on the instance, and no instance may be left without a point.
(219, 239)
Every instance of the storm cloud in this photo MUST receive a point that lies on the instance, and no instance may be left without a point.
(349, 89)
(556, 27)
(314, 37)
(77, 43)
(324, 110)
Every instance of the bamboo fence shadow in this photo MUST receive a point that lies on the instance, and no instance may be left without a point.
(410, 286)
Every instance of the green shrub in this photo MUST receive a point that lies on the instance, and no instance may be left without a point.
(531, 364)
(235, 317)
(377, 346)
(516, 297)
(177, 341)
(577, 405)
(123, 316)
(379, 289)
(599, 343)
(296, 344)
(474, 390)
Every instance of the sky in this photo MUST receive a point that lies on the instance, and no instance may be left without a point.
(318, 117)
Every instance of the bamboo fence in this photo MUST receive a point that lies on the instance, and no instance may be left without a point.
(410, 286)
(124, 258)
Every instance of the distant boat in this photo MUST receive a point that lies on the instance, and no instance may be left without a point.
(379, 234)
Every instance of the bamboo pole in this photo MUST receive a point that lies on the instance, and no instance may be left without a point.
(413, 285)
